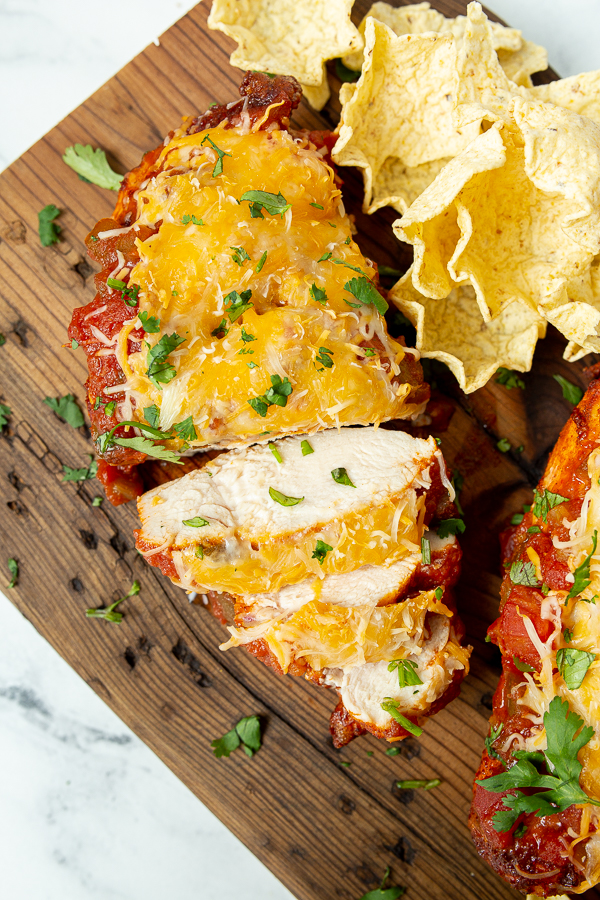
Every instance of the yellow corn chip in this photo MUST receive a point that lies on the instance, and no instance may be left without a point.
(288, 38)
(452, 330)
(400, 113)
(580, 93)
(520, 64)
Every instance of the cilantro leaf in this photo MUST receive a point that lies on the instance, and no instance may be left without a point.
(221, 330)
(237, 304)
(509, 379)
(246, 337)
(150, 324)
(571, 392)
(145, 445)
(318, 294)
(274, 204)
(152, 415)
(522, 666)
(97, 501)
(246, 733)
(321, 550)
(383, 893)
(390, 706)
(503, 445)
(186, 430)
(280, 498)
(93, 166)
(5, 412)
(48, 230)
(495, 731)
(13, 568)
(66, 409)
(544, 501)
(523, 573)
(239, 255)
(324, 358)
(218, 169)
(129, 294)
(581, 575)
(407, 671)
(573, 665)
(450, 526)
(83, 474)
(187, 219)
(159, 370)
(325, 257)
(341, 477)
(344, 73)
(259, 405)
(366, 294)
(279, 391)
(108, 613)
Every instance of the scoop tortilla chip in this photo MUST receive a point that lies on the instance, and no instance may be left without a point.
(400, 111)
(580, 94)
(288, 38)
(419, 18)
(452, 330)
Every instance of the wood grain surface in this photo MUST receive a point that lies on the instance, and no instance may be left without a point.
(325, 830)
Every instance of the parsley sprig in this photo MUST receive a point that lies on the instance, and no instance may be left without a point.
(66, 409)
(573, 665)
(91, 165)
(547, 793)
(48, 230)
(245, 734)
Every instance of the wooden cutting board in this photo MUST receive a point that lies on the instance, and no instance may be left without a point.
(326, 830)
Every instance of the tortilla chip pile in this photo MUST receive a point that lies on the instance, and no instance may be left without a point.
(498, 183)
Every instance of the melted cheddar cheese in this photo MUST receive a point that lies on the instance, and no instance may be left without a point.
(207, 245)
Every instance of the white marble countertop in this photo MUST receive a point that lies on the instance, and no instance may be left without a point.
(87, 810)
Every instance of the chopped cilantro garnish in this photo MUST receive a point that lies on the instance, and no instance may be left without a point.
(259, 405)
(523, 573)
(368, 351)
(152, 415)
(274, 204)
(503, 445)
(150, 324)
(390, 706)
(544, 501)
(450, 526)
(333, 225)
(13, 568)
(324, 257)
(344, 73)
(246, 337)
(245, 734)
(145, 445)
(518, 517)
(383, 893)
(341, 477)
(318, 294)
(567, 636)
(187, 219)
(108, 613)
(275, 452)
(195, 522)
(252, 365)
(366, 294)
(348, 239)
(546, 793)
(306, 448)
(92, 166)
(109, 408)
(324, 358)
(97, 501)
(74, 343)
(221, 330)
(282, 499)
(66, 409)
(199, 552)
(279, 391)
(237, 304)
(534, 529)
(509, 379)
(407, 671)
(520, 830)
(522, 666)
(239, 255)
(495, 731)
(317, 206)
(185, 430)
(261, 262)
(425, 552)
(48, 230)
(573, 665)
(84, 474)
(581, 575)
(129, 295)
(410, 784)
(159, 370)
(218, 169)
(572, 393)
(393, 751)
(321, 550)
